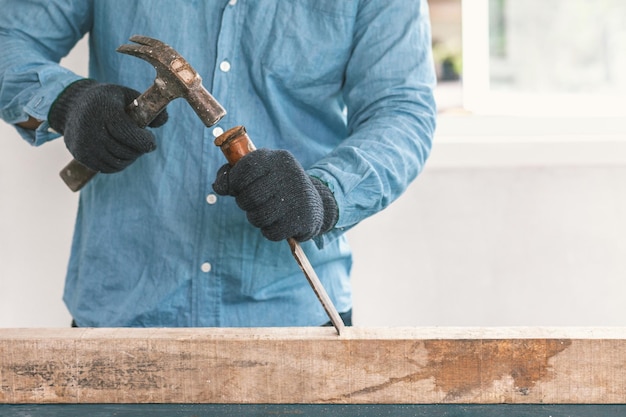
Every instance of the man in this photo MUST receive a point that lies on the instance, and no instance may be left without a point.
(338, 94)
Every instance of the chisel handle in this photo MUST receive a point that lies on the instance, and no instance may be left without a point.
(235, 144)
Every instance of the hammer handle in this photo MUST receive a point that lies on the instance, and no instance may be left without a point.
(143, 110)
(75, 175)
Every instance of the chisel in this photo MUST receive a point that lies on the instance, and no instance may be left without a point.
(235, 143)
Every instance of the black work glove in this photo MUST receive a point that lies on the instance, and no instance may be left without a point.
(278, 196)
(97, 131)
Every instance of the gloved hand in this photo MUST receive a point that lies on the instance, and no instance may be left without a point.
(279, 197)
(97, 131)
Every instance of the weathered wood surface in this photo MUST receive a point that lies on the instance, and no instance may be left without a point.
(313, 365)
(315, 410)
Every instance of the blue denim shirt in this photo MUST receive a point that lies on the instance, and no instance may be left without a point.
(346, 86)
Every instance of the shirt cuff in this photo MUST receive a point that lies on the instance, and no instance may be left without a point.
(44, 133)
(39, 105)
(341, 226)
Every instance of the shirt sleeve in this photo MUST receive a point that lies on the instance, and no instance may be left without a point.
(34, 36)
(391, 111)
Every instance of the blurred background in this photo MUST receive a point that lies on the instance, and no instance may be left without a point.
(517, 220)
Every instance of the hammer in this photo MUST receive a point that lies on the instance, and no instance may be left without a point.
(174, 78)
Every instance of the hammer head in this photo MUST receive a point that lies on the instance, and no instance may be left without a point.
(175, 78)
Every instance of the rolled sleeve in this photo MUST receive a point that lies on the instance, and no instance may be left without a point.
(34, 36)
(391, 111)
(34, 92)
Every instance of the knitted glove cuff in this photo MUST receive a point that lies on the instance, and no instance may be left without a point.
(331, 211)
(57, 116)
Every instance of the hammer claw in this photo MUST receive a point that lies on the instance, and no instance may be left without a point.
(145, 40)
(152, 50)
(135, 50)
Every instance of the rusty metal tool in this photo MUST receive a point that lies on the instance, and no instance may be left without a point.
(174, 78)
(235, 143)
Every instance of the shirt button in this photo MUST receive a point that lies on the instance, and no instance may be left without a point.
(225, 66)
(232, 2)
(211, 198)
(217, 131)
(206, 267)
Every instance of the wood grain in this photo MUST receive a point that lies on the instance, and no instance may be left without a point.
(317, 410)
(313, 365)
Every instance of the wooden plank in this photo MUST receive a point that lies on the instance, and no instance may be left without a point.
(318, 410)
(313, 365)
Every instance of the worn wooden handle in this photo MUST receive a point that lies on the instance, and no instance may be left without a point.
(235, 144)
(143, 110)
(76, 175)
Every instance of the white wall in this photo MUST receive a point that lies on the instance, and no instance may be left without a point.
(36, 220)
(506, 246)
(37, 213)
(508, 225)
(514, 222)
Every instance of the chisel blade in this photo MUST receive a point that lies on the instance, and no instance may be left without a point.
(316, 284)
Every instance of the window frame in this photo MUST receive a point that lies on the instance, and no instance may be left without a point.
(479, 98)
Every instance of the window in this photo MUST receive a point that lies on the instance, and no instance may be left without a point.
(544, 57)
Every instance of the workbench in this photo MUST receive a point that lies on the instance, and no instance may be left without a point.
(398, 372)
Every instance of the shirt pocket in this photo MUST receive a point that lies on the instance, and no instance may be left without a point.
(269, 270)
(309, 42)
